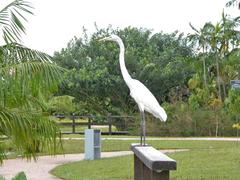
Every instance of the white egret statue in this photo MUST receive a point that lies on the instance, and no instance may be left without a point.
(140, 93)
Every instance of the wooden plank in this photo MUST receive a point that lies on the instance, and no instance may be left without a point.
(138, 168)
(70, 123)
(116, 133)
(142, 172)
(114, 116)
(163, 175)
(82, 123)
(153, 159)
(73, 124)
(103, 133)
(109, 119)
(89, 123)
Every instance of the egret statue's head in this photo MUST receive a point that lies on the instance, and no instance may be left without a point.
(111, 38)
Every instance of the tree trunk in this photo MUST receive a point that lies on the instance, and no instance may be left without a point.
(204, 73)
(216, 121)
(204, 69)
(238, 73)
(209, 131)
(195, 127)
(224, 91)
(217, 125)
(218, 79)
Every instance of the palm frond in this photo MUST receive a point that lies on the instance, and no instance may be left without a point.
(23, 81)
(29, 131)
(11, 19)
(193, 28)
(26, 76)
(232, 3)
(15, 53)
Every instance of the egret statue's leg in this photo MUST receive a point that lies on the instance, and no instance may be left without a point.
(143, 128)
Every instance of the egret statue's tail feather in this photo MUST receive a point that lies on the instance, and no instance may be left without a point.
(161, 114)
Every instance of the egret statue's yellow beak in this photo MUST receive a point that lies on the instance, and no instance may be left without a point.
(104, 39)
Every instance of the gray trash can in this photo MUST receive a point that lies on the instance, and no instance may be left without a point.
(92, 144)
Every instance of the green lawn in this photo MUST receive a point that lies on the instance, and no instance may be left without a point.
(82, 128)
(205, 160)
(104, 136)
(77, 146)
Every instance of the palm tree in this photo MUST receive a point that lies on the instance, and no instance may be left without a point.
(26, 77)
(229, 34)
(233, 3)
(210, 38)
(229, 38)
(220, 36)
(200, 37)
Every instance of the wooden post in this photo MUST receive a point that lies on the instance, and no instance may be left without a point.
(89, 122)
(151, 164)
(109, 118)
(73, 123)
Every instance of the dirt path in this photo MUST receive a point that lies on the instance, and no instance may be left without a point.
(40, 170)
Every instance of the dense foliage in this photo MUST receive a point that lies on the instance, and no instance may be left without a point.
(161, 62)
(189, 75)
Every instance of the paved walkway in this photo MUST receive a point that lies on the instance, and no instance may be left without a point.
(39, 170)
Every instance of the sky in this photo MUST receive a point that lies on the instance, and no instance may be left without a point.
(56, 22)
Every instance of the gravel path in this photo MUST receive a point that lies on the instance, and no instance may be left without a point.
(39, 170)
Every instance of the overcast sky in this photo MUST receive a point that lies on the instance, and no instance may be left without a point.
(56, 22)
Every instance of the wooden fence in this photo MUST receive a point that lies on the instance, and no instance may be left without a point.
(91, 121)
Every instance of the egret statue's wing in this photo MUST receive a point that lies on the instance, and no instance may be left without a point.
(145, 98)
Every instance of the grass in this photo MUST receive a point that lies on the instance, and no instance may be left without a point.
(223, 163)
(117, 168)
(205, 160)
(77, 146)
(212, 163)
(82, 128)
(104, 136)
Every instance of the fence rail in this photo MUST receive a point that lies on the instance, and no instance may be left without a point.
(91, 121)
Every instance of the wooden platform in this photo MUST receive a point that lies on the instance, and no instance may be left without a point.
(151, 164)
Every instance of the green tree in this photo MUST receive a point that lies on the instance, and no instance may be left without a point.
(220, 40)
(233, 102)
(61, 105)
(95, 79)
(201, 39)
(26, 77)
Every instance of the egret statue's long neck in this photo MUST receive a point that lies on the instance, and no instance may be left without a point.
(127, 78)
